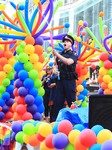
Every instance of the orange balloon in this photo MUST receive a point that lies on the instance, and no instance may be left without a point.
(39, 50)
(8, 54)
(107, 91)
(14, 107)
(104, 85)
(41, 58)
(12, 61)
(79, 81)
(29, 40)
(3, 61)
(78, 145)
(100, 79)
(17, 117)
(33, 141)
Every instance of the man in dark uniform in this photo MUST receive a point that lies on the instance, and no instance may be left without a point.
(66, 85)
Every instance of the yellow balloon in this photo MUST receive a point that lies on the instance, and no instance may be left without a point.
(103, 71)
(103, 136)
(80, 88)
(7, 68)
(38, 66)
(110, 85)
(40, 74)
(12, 61)
(2, 7)
(26, 138)
(29, 49)
(45, 129)
(73, 135)
(13, 32)
(2, 75)
(34, 58)
(107, 78)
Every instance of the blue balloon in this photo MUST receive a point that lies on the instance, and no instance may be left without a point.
(97, 128)
(40, 108)
(33, 91)
(5, 109)
(32, 109)
(22, 91)
(28, 83)
(29, 99)
(84, 83)
(107, 145)
(5, 96)
(55, 128)
(10, 102)
(18, 66)
(10, 89)
(2, 102)
(95, 147)
(38, 100)
(16, 126)
(84, 92)
(23, 74)
(79, 127)
(81, 97)
(37, 116)
(2, 115)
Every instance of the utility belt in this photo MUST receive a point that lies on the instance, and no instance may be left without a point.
(68, 75)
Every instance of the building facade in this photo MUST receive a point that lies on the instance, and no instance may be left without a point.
(73, 11)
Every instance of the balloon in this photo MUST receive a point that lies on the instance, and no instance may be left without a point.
(78, 145)
(37, 83)
(18, 83)
(73, 135)
(6, 82)
(2, 102)
(22, 91)
(29, 49)
(32, 109)
(21, 109)
(18, 66)
(16, 126)
(45, 129)
(33, 141)
(28, 83)
(38, 66)
(5, 96)
(27, 116)
(41, 91)
(7, 68)
(29, 99)
(23, 74)
(79, 127)
(19, 137)
(106, 78)
(37, 116)
(33, 74)
(5, 109)
(48, 141)
(39, 41)
(20, 100)
(38, 100)
(28, 66)
(103, 136)
(60, 140)
(29, 129)
(23, 57)
(95, 147)
(107, 145)
(33, 92)
(85, 137)
(34, 58)
(69, 147)
(103, 56)
(3, 61)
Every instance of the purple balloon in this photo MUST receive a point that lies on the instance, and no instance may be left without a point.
(107, 145)
(100, 91)
(10, 102)
(15, 75)
(2, 115)
(39, 41)
(37, 116)
(60, 140)
(16, 126)
(105, 43)
(18, 83)
(29, 99)
(32, 109)
(5, 108)
(22, 91)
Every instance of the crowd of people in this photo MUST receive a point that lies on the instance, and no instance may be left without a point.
(60, 86)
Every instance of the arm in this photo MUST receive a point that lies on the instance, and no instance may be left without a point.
(67, 61)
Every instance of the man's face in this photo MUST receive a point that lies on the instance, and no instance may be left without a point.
(67, 44)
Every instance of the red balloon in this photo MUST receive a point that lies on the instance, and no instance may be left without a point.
(87, 138)
(8, 115)
(15, 92)
(65, 127)
(48, 141)
(27, 116)
(1, 53)
(93, 66)
(21, 109)
(40, 138)
(78, 145)
(107, 64)
(103, 56)
(20, 100)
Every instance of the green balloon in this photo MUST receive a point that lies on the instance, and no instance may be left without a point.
(70, 147)
(23, 57)
(101, 64)
(41, 91)
(28, 66)
(29, 129)
(22, 44)
(19, 50)
(6, 82)
(110, 72)
(2, 89)
(33, 74)
(10, 75)
(84, 104)
(37, 83)
(19, 137)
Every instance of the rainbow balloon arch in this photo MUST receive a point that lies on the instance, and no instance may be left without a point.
(22, 59)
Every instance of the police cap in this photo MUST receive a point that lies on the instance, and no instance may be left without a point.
(68, 38)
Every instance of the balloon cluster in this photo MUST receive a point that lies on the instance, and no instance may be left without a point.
(28, 90)
(57, 136)
(7, 61)
(105, 73)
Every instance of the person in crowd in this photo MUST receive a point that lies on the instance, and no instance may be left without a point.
(66, 85)
(45, 84)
